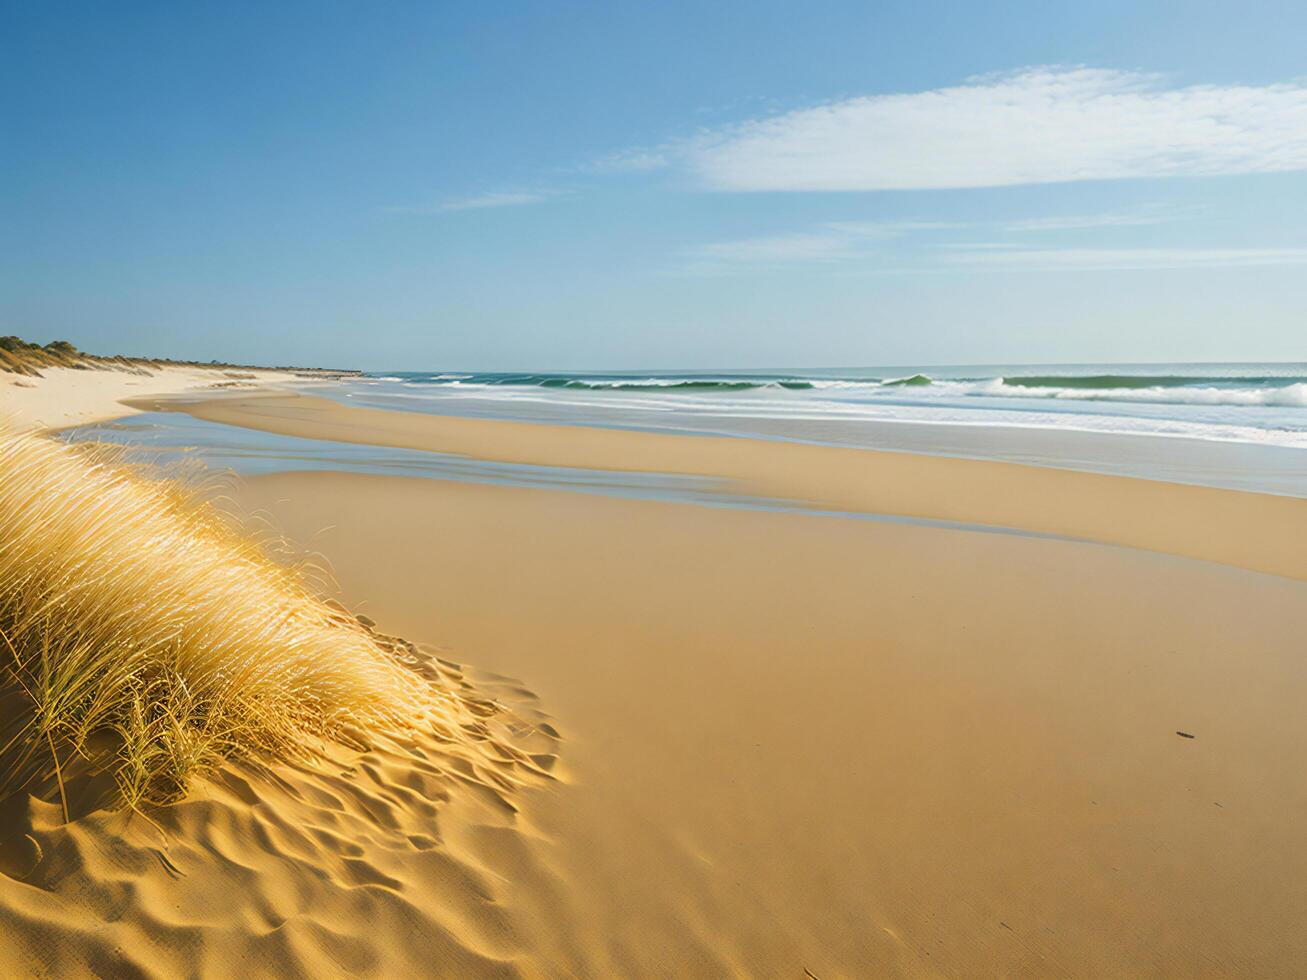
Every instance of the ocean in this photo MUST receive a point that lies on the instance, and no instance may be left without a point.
(1242, 426)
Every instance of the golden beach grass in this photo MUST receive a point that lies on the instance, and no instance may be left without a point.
(141, 634)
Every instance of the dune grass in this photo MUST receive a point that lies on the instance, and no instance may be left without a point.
(141, 634)
(22, 357)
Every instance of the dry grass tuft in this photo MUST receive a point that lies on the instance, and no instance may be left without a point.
(141, 634)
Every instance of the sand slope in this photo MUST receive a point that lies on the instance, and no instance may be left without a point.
(340, 868)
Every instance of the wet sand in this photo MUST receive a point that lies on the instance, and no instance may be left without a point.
(1261, 532)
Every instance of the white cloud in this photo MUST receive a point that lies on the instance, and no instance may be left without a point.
(1036, 126)
(909, 247)
(490, 199)
(797, 246)
(1070, 259)
(1130, 218)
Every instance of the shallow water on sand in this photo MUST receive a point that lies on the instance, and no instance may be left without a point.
(167, 440)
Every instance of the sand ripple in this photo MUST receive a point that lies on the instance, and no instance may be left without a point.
(341, 866)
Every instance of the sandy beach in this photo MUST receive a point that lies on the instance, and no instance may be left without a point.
(763, 742)
(62, 396)
(794, 743)
(733, 741)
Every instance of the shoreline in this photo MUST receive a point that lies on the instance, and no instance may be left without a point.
(1204, 457)
(1258, 532)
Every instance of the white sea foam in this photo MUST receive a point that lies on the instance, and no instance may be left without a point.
(1288, 396)
(1254, 404)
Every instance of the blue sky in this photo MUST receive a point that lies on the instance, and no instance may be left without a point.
(589, 185)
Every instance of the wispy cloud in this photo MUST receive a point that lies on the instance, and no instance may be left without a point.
(1071, 259)
(1126, 218)
(490, 199)
(914, 246)
(630, 161)
(1042, 125)
(775, 249)
(829, 242)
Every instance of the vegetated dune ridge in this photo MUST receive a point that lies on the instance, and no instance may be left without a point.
(151, 653)
(57, 385)
(18, 356)
(22, 357)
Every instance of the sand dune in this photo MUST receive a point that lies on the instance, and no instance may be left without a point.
(152, 654)
(333, 868)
